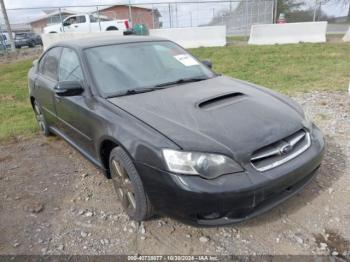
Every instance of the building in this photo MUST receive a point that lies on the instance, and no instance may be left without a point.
(16, 28)
(139, 15)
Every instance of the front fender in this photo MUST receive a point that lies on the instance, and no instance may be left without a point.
(142, 142)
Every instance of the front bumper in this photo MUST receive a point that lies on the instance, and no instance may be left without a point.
(230, 198)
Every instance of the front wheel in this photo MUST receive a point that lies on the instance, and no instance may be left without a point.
(128, 186)
(43, 126)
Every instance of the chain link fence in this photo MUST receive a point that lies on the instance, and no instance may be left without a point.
(237, 15)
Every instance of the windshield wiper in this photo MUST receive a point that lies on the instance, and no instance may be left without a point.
(156, 87)
(135, 91)
(182, 81)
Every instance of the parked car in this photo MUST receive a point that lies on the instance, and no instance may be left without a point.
(89, 23)
(27, 39)
(174, 137)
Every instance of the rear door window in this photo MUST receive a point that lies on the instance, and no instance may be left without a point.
(81, 19)
(93, 19)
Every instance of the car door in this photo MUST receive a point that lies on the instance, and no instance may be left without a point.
(77, 24)
(94, 24)
(45, 83)
(75, 113)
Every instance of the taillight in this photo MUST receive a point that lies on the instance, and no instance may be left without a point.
(126, 22)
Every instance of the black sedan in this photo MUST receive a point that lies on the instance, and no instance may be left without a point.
(174, 137)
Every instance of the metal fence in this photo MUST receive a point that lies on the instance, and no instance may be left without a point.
(237, 15)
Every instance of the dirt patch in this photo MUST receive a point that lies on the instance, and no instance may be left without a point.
(53, 201)
(5, 158)
(333, 241)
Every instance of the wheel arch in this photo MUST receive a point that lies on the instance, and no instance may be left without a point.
(110, 28)
(106, 145)
(32, 99)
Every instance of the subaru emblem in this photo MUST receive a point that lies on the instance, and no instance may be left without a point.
(285, 149)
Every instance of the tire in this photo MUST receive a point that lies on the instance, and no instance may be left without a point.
(128, 186)
(40, 118)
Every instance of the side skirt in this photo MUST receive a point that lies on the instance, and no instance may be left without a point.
(79, 149)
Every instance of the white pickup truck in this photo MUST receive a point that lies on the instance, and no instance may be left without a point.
(88, 23)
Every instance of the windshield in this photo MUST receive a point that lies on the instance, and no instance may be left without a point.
(20, 36)
(135, 66)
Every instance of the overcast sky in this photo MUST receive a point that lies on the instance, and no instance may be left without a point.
(185, 12)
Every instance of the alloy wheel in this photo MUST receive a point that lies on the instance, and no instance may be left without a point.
(123, 186)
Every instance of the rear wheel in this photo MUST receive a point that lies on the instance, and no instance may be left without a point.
(128, 186)
(43, 127)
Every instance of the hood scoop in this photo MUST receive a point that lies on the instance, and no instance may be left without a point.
(221, 100)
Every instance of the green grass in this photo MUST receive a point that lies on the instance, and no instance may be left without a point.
(237, 38)
(16, 115)
(285, 68)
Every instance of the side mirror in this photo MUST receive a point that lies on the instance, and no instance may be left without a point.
(69, 88)
(66, 23)
(207, 63)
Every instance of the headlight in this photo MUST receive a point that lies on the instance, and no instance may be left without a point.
(202, 164)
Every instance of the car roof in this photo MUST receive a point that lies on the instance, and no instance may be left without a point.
(88, 42)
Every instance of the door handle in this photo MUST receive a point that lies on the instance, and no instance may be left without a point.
(75, 26)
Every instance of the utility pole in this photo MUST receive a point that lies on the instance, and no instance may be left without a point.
(318, 5)
(275, 6)
(177, 21)
(130, 12)
(7, 23)
(191, 18)
(170, 23)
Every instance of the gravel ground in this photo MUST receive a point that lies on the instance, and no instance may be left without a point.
(53, 201)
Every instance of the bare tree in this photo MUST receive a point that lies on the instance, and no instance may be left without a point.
(344, 3)
(347, 2)
(7, 23)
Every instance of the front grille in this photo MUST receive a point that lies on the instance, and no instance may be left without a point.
(281, 151)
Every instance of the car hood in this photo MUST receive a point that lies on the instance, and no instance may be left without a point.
(220, 115)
